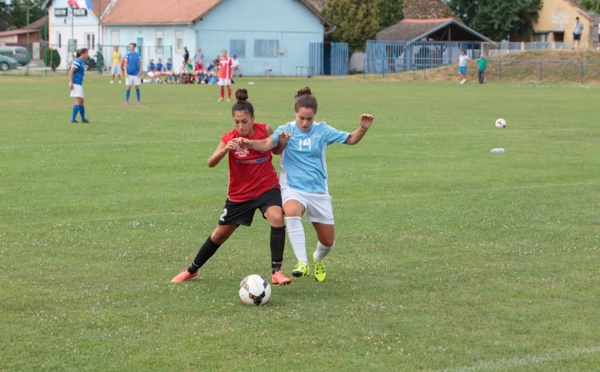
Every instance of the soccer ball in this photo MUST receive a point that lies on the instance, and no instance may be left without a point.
(500, 123)
(255, 290)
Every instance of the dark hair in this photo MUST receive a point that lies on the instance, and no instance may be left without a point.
(81, 51)
(304, 98)
(134, 44)
(242, 104)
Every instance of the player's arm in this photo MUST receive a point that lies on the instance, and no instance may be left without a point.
(71, 71)
(258, 145)
(365, 123)
(283, 138)
(222, 150)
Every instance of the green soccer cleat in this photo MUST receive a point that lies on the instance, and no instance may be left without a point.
(302, 270)
(320, 273)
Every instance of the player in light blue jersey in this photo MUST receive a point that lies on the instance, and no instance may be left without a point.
(303, 177)
(76, 84)
(133, 68)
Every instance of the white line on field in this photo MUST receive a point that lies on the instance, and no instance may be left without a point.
(528, 360)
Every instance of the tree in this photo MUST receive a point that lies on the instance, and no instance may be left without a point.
(52, 58)
(357, 21)
(389, 12)
(499, 19)
(590, 5)
(13, 15)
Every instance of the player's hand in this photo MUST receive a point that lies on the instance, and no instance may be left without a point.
(284, 137)
(365, 121)
(232, 145)
(71, 85)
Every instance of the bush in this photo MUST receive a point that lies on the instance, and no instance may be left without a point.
(52, 58)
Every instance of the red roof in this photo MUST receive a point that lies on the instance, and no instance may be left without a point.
(125, 12)
(131, 12)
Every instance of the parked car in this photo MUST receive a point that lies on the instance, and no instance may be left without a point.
(19, 53)
(7, 63)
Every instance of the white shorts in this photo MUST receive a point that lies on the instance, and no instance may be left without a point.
(77, 91)
(319, 207)
(224, 82)
(132, 80)
(116, 70)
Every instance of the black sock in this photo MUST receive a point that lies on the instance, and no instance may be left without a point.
(208, 249)
(277, 246)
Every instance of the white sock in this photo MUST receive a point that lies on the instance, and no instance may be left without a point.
(322, 251)
(295, 232)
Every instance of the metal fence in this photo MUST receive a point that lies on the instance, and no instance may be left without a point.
(522, 71)
(396, 56)
(505, 47)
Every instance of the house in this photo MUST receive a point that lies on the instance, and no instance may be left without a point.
(71, 28)
(429, 20)
(262, 33)
(429, 36)
(20, 37)
(557, 19)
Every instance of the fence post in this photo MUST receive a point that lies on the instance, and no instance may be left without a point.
(499, 71)
(541, 72)
(425, 74)
(581, 71)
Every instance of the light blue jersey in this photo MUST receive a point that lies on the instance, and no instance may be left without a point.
(133, 63)
(303, 165)
(79, 64)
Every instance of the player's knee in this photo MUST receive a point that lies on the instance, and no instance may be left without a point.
(328, 242)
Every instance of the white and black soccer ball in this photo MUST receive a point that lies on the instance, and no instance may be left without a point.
(500, 123)
(255, 290)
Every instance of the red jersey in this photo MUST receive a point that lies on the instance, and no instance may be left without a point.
(225, 64)
(251, 172)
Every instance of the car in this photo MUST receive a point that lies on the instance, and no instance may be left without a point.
(21, 54)
(7, 63)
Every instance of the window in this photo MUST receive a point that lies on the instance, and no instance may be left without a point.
(90, 41)
(266, 48)
(237, 48)
(114, 37)
(72, 45)
(178, 41)
(158, 41)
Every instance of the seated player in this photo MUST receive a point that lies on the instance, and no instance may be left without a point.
(236, 66)
(199, 71)
(184, 73)
(169, 72)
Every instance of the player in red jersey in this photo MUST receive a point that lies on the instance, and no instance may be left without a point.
(225, 64)
(253, 184)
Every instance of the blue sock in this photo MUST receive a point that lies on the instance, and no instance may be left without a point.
(137, 93)
(127, 93)
(82, 112)
(74, 114)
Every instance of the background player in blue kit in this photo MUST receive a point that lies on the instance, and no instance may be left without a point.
(303, 177)
(76, 84)
(133, 68)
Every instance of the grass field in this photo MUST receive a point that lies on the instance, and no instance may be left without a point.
(447, 257)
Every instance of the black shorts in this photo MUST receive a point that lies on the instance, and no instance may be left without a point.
(576, 36)
(243, 213)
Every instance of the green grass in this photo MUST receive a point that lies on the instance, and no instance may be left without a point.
(447, 257)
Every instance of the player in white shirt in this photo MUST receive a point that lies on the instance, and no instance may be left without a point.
(235, 66)
(463, 59)
(303, 177)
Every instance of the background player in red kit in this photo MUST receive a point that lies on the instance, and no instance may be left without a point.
(225, 64)
(253, 184)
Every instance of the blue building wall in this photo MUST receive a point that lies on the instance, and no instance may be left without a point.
(276, 33)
